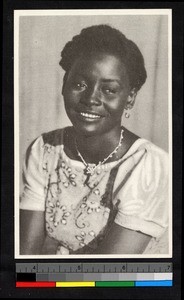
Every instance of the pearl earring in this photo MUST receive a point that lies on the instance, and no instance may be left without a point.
(127, 115)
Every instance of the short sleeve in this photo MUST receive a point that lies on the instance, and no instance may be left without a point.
(144, 200)
(33, 197)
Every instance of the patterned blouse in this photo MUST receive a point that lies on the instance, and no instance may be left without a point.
(132, 192)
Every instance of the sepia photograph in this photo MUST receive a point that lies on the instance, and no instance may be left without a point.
(93, 133)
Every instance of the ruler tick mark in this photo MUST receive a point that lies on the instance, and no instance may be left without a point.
(94, 268)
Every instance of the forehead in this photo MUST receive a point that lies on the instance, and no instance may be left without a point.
(100, 64)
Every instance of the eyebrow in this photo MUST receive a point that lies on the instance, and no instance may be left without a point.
(104, 80)
(110, 80)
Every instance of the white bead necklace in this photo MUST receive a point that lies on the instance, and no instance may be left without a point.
(90, 168)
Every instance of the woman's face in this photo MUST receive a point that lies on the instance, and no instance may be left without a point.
(95, 94)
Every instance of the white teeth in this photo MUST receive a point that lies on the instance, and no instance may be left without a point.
(89, 115)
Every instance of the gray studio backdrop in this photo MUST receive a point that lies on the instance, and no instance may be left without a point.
(41, 39)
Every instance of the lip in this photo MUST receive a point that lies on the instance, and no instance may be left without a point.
(89, 115)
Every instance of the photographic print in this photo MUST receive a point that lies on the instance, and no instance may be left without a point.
(93, 133)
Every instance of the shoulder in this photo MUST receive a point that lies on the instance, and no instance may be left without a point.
(154, 162)
(142, 187)
(49, 139)
(145, 164)
(154, 157)
(144, 151)
(54, 138)
(137, 145)
(152, 148)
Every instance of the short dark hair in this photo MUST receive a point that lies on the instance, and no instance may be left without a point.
(105, 39)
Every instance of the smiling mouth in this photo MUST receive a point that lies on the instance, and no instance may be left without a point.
(90, 115)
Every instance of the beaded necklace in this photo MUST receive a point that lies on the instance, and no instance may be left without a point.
(90, 168)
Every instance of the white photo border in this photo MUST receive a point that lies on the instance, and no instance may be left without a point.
(90, 12)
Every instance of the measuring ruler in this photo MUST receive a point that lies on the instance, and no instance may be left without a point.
(93, 274)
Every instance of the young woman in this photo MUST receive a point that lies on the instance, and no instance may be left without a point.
(95, 187)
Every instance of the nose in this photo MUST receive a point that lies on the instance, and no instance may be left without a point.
(91, 97)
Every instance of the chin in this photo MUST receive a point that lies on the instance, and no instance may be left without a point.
(93, 128)
(87, 130)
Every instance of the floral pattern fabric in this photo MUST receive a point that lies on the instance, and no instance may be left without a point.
(78, 213)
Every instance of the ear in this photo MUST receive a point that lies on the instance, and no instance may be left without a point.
(64, 82)
(131, 99)
(62, 91)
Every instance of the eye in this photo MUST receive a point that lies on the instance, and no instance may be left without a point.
(80, 85)
(109, 90)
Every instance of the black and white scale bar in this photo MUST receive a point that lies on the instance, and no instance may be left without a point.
(48, 268)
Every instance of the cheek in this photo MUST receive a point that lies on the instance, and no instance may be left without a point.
(116, 107)
(70, 98)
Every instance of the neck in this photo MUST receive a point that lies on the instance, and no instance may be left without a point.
(96, 148)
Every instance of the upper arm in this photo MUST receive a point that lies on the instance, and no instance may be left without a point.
(143, 208)
(32, 202)
(121, 240)
(32, 231)
(33, 195)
